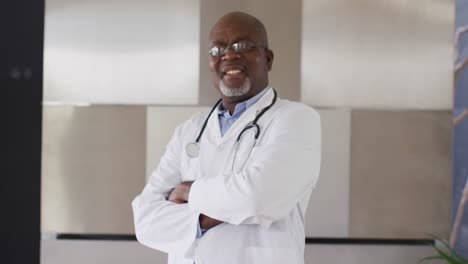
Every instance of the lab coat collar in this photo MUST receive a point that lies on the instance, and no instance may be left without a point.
(247, 117)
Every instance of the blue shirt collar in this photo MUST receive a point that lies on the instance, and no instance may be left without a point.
(241, 107)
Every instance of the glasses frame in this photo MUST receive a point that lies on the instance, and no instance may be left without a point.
(218, 51)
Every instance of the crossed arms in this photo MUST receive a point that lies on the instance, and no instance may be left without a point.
(276, 177)
(180, 195)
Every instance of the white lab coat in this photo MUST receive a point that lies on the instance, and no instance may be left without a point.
(262, 201)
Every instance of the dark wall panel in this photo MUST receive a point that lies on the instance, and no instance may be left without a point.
(22, 81)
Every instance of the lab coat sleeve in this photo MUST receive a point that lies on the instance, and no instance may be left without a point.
(278, 174)
(160, 224)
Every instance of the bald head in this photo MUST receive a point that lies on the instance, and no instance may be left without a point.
(240, 58)
(241, 20)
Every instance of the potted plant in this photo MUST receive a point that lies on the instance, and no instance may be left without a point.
(445, 251)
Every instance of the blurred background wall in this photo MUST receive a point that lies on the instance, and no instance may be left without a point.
(459, 236)
(119, 76)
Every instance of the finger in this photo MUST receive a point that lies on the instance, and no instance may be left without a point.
(177, 201)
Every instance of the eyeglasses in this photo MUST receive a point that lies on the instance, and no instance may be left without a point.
(238, 47)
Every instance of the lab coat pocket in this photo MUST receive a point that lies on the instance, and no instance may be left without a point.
(243, 150)
(271, 255)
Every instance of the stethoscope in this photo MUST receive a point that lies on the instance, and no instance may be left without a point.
(193, 148)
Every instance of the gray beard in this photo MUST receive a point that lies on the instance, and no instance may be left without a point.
(235, 92)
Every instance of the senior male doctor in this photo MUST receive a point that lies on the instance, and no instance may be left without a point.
(234, 183)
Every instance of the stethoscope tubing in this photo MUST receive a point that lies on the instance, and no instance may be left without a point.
(202, 130)
(253, 124)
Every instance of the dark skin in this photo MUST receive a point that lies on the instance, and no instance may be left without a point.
(254, 65)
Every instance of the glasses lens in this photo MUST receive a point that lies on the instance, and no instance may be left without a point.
(216, 51)
(242, 46)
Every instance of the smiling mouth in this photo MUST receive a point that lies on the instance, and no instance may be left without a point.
(232, 72)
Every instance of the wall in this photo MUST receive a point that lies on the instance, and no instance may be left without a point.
(21, 82)
(379, 72)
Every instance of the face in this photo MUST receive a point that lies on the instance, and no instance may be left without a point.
(239, 75)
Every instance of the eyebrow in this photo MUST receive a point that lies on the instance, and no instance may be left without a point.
(217, 42)
(220, 42)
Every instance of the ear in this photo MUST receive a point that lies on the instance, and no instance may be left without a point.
(269, 58)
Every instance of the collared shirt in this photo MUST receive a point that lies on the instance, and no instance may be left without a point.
(225, 122)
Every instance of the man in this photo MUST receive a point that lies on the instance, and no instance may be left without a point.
(219, 195)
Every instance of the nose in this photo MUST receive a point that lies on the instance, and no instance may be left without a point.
(230, 54)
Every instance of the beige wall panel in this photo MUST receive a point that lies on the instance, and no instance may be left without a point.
(382, 54)
(93, 165)
(400, 174)
(328, 211)
(367, 254)
(282, 20)
(98, 252)
(283, 23)
(161, 123)
(121, 52)
(210, 12)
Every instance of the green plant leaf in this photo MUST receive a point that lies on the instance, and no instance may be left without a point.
(452, 253)
(448, 250)
(445, 252)
(429, 258)
(458, 257)
(447, 257)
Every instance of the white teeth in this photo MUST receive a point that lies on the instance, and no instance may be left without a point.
(233, 72)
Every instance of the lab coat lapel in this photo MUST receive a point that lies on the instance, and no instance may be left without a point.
(248, 116)
(213, 128)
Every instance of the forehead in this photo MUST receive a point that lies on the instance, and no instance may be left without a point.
(232, 31)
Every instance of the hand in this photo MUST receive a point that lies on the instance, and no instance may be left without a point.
(207, 222)
(180, 193)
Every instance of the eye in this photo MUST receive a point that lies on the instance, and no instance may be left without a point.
(242, 46)
(216, 51)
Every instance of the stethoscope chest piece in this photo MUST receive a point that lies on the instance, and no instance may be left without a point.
(192, 149)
